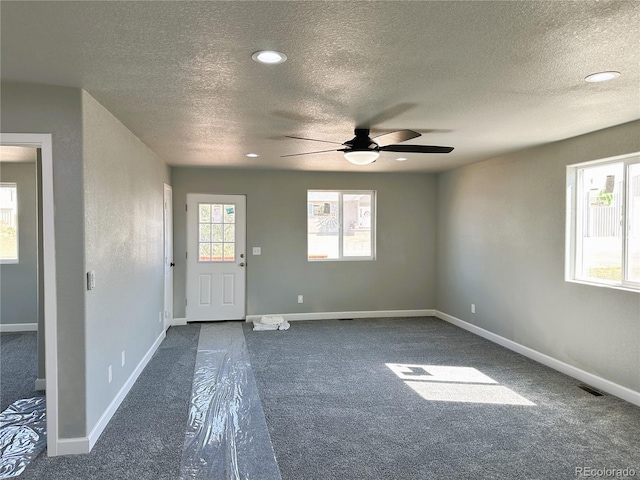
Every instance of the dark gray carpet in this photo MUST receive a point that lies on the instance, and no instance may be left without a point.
(145, 437)
(18, 367)
(335, 411)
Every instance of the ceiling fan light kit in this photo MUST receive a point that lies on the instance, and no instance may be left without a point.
(363, 150)
(363, 157)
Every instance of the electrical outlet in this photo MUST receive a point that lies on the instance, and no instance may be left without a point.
(123, 358)
(91, 280)
(300, 299)
(473, 308)
(257, 251)
(110, 373)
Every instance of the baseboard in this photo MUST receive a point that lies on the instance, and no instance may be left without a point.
(115, 403)
(18, 327)
(603, 384)
(73, 446)
(41, 384)
(178, 322)
(342, 315)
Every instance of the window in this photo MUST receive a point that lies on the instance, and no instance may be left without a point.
(603, 222)
(8, 223)
(216, 232)
(341, 225)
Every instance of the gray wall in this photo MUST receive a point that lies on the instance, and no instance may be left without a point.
(108, 193)
(123, 195)
(57, 110)
(501, 245)
(19, 281)
(402, 277)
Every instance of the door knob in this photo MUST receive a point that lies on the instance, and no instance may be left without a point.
(242, 264)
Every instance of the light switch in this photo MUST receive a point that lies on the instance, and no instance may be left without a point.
(91, 280)
(257, 250)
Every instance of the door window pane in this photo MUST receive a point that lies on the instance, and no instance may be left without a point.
(205, 232)
(205, 252)
(216, 239)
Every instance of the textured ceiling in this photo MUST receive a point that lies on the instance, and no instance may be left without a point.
(487, 78)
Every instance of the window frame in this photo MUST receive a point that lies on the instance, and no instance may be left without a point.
(9, 261)
(373, 226)
(574, 214)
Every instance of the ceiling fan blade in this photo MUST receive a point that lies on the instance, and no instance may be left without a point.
(386, 115)
(311, 153)
(312, 140)
(416, 149)
(395, 137)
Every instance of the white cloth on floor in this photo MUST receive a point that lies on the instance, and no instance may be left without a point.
(270, 322)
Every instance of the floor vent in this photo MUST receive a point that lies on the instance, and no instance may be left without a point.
(591, 390)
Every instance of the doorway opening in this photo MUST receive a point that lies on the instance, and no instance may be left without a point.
(47, 311)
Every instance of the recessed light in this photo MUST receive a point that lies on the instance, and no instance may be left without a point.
(252, 155)
(401, 159)
(601, 77)
(270, 57)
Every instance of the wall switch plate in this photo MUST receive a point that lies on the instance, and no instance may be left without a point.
(473, 308)
(160, 317)
(91, 280)
(257, 250)
(300, 298)
(123, 358)
(110, 373)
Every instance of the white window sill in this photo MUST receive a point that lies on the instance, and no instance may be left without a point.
(626, 288)
(346, 259)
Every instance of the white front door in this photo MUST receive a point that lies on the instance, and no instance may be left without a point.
(168, 256)
(216, 257)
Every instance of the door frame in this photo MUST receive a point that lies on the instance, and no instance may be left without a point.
(168, 256)
(43, 141)
(187, 236)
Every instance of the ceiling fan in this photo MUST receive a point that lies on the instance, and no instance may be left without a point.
(363, 149)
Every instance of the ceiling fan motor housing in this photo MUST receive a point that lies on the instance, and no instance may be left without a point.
(361, 141)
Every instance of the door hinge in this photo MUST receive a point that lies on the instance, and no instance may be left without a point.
(186, 208)
(186, 254)
(185, 302)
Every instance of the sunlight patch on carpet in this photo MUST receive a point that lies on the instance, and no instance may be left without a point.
(440, 383)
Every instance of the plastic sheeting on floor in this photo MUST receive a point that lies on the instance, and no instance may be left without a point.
(227, 435)
(23, 435)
